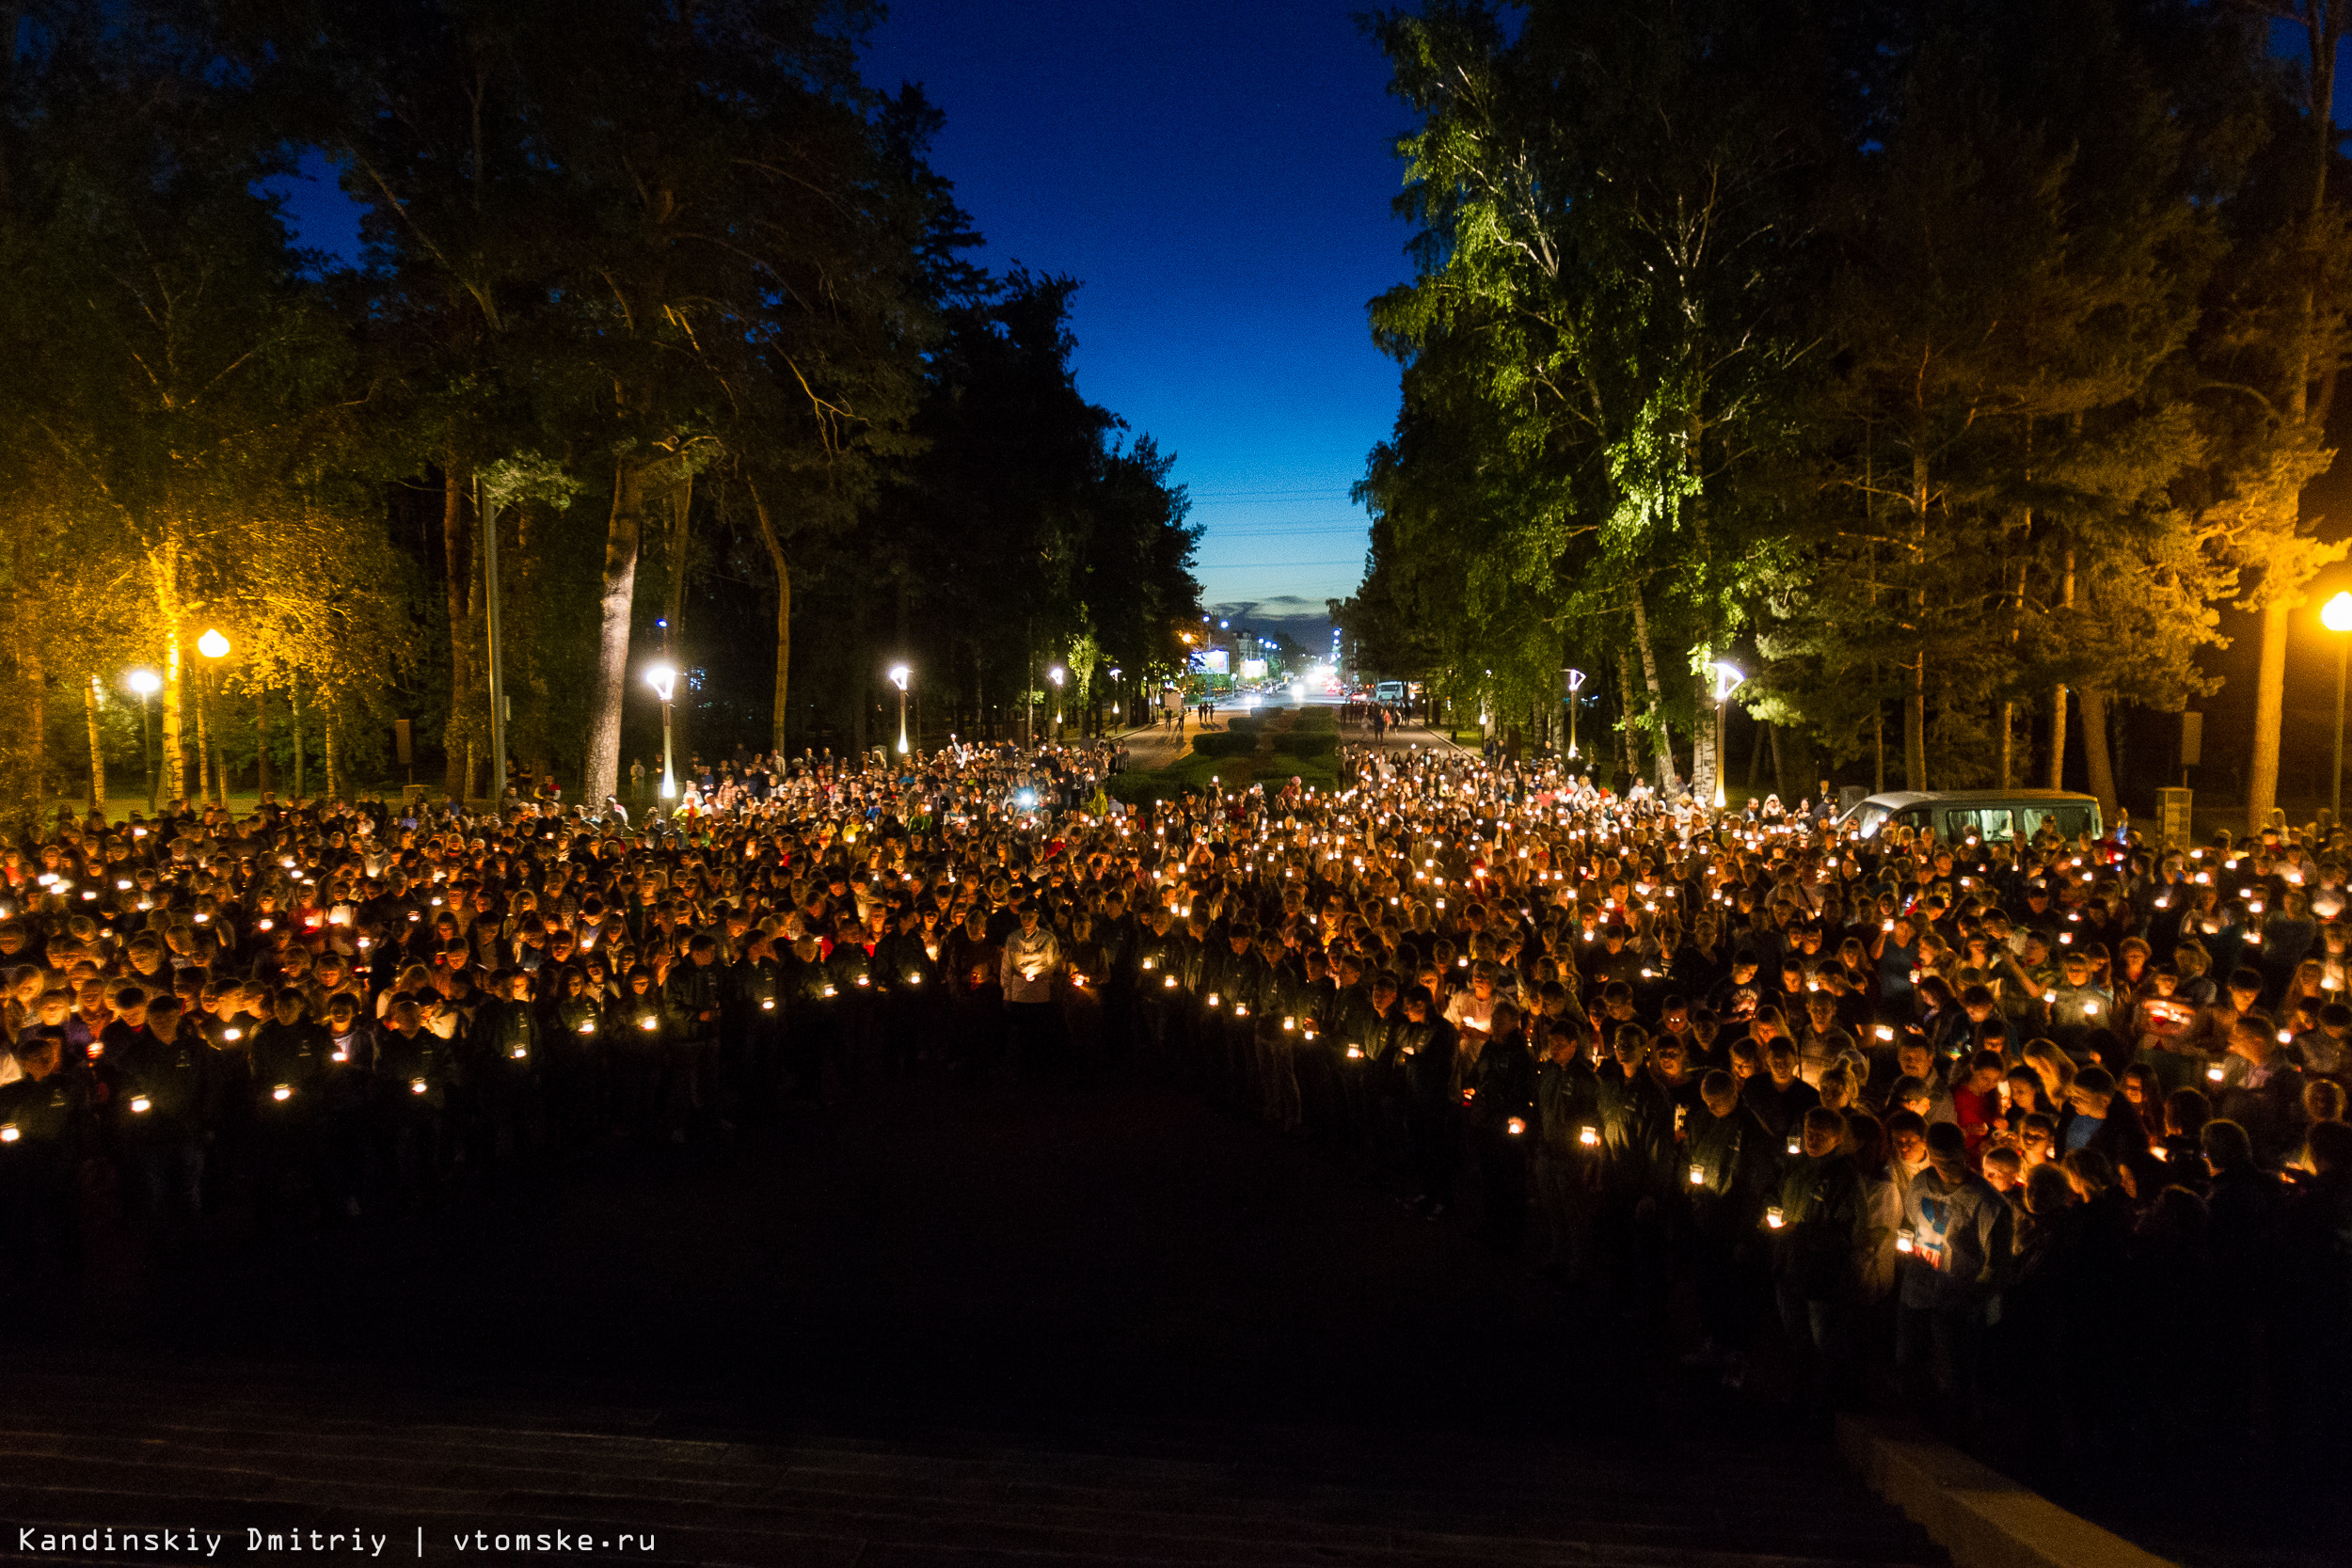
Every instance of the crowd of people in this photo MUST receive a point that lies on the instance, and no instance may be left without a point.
(2001, 1124)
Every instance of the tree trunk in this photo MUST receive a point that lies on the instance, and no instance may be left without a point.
(2006, 749)
(294, 714)
(203, 742)
(2095, 751)
(860, 683)
(97, 751)
(2290, 569)
(175, 756)
(2270, 685)
(624, 532)
(332, 754)
(1915, 685)
(1915, 722)
(2055, 777)
(220, 761)
(1756, 760)
(2057, 694)
(677, 503)
(1878, 731)
(260, 741)
(1662, 736)
(783, 619)
(457, 554)
(1705, 767)
(1630, 726)
(36, 724)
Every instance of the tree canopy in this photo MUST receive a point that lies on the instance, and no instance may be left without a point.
(665, 303)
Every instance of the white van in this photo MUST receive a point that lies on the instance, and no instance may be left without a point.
(1991, 814)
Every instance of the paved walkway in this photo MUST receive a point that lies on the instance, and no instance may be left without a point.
(1156, 746)
(1110, 1324)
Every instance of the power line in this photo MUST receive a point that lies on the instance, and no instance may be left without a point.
(1269, 566)
(1227, 494)
(1280, 532)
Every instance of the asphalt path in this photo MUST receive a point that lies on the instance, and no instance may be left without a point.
(1008, 1255)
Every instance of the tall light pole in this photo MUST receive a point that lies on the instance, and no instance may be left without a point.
(146, 683)
(664, 679)
(1574, 679)
(214, 648)
(898, 675)
(2336, 615)
(1727, 680)
(1058, 674)
(489, 515)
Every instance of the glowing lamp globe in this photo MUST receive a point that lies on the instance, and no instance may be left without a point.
(212, 645)
(2336, 615)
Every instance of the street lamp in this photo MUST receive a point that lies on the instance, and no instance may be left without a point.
(664, 679)
(2336, 615)
(898, 674)
(1058, 674)
(146, 683)
(214, 646)
(1574, 679)
(1727, 680)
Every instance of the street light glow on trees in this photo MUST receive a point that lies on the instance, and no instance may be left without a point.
(2336, 615)
(1727, 680)
(146, 683)
(664, 679)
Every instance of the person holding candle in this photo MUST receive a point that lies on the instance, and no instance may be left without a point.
(289, 1057)
(162, 1082)
(1733, 1169)
(2260, 1091)
(1817, 1228)
(1957, 1243)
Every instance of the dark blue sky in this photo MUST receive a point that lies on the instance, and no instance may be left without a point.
(1218, 175)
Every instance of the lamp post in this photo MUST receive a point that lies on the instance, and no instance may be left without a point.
(664, 679)
(214, 646)
(1058, 674)
(1575, 680)
(146, 683)
(2336, 615)
(898, 675)
(1727, 680)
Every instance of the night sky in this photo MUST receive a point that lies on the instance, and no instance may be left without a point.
(1218, 175)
